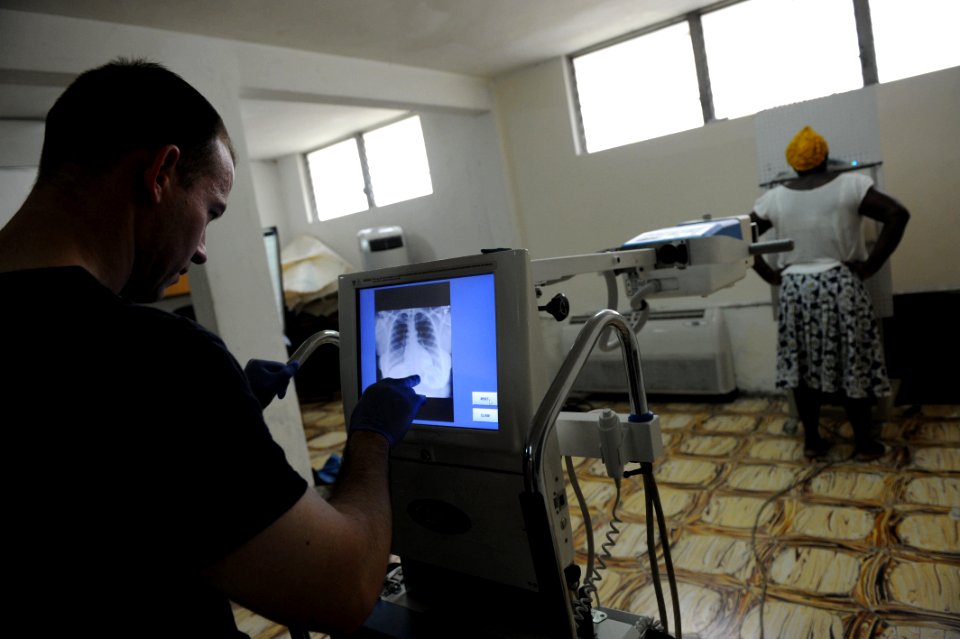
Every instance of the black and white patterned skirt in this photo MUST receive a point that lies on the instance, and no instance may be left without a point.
(828, 336)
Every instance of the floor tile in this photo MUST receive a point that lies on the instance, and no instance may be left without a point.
(835, 548)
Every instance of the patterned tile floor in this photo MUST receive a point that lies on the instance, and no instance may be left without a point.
(833, 549)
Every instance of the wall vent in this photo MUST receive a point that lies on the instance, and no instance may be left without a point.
(682, 352)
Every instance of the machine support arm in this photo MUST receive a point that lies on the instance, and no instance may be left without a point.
(545, 419)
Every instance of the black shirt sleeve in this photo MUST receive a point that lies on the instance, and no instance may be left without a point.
(217, 475)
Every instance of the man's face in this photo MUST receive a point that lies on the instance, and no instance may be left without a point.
(176, 235)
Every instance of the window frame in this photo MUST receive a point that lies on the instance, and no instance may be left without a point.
(864, 34)
(358, 138)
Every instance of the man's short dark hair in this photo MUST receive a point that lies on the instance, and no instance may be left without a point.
(127, 105)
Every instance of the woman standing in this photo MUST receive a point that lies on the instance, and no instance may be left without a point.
(828, 335)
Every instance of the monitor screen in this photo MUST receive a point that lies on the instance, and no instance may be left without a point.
(445, 331)
(468, 327)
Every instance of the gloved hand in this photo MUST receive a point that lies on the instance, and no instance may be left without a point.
(387, 407)
(269, 379)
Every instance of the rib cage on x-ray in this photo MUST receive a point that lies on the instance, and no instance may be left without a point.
(416, 341)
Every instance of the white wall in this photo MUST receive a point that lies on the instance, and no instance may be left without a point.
(270, 200)
(15, 185)
(19, 152)
(920, 141)
(569, 203)
(470, 207)
(232, 292)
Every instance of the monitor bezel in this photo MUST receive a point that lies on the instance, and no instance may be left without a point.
(520, 379)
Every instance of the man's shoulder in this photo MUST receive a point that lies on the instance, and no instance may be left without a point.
(53, 279)
(160, 335)
(69, 303)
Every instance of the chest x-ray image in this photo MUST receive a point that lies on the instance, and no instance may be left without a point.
(416, 340)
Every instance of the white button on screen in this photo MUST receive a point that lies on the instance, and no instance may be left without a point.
(484, 399)
(485, 415)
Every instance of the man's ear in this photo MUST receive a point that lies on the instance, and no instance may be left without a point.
(160, 171)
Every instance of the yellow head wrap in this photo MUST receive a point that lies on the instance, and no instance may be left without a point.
(806, 150)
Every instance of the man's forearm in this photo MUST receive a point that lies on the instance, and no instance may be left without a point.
(321, 565)
(362, 488)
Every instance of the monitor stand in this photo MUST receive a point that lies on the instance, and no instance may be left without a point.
(474, 611)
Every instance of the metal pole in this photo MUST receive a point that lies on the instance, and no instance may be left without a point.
(545, 419)
(311, 344)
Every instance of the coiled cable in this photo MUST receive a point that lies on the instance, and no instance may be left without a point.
(582, 604)
(613, 532)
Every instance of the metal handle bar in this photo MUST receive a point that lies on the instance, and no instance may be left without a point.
(773, 246)
(313, 342)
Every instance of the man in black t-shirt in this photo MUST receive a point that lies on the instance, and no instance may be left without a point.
(144, 491)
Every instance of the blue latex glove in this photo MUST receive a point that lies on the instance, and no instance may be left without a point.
(388, 407)
(269, 379)
(328, 474)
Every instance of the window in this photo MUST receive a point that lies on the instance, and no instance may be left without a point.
(766, 53)
(739, 57)
(398, 162)
(914, 37)
(639, 89)
(375, 168)
(337, 180)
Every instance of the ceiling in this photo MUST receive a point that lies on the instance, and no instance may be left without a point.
(473, 37)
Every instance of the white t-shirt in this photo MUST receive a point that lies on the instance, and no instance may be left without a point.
(824, 223)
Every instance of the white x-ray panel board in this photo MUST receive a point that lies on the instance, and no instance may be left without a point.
(847, 120)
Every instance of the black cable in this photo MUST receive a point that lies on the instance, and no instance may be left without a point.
(652, 552)
(665, 543)
(756, 525)
(592, 574)
(577, 406)
(836, 436)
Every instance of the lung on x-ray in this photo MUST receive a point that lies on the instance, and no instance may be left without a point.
(413, 337)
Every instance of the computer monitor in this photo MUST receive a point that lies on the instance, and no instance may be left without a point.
(469, 327)
(407, 329)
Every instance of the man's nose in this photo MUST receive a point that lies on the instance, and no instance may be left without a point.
(200, 255)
